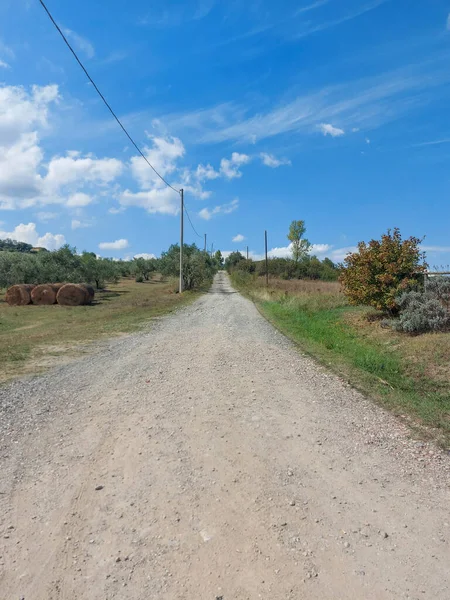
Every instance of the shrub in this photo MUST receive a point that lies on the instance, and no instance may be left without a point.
(440, 288)
(421, 312)
(381, 270)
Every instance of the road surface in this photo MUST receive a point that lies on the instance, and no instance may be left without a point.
(206, 459)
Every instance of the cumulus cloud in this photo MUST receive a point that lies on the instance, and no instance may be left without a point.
(229, 168)
(238, 238)
(29, 235)
(159, 200)
(206, 172)
(78, 200)
(144, 255)
(163, 155)
(271, 161)
(117, 245)
(25, 179)
(224, 209)
(328, 129)
(76, 169)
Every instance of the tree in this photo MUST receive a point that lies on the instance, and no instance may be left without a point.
(382, 269)
(232, 260)
(198, 267)
(300, 245)
(219, 259)
(144, 267)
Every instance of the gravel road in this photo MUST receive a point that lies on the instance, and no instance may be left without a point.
(207, 459)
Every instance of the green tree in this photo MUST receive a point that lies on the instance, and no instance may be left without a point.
(382, 269)
(219, 259)
(233, 260)
(300, 245)
(144, 267)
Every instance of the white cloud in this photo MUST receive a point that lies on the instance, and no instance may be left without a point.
(117, 245)
(80, 43)
(271, 161)
(229, 168)
(159, 200)
(25, 180)
(223, 209)
(79, 199)
(29, 235)
(367, 141)
(238, 238)
(206, 172)
(78, 170)
(328, 129)
(77, 224)
(116, 211)
(163, 155)
(3, 64)
(364, 103)
(144, 255)
(46, 216)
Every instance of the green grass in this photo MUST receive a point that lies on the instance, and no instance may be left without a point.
(33, 338)
(404, 374)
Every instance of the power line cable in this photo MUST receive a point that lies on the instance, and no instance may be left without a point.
(189, 219)
(103, 98)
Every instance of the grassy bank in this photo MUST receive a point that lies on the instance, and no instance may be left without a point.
(33, 338)
(409, 375)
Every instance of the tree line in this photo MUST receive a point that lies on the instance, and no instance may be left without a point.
(301, 264)
(19, 265)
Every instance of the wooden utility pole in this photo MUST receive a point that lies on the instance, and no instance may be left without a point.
(267, 262)
(181, 241)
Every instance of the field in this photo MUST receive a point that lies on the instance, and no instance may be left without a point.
(33, 338)
(410, 375)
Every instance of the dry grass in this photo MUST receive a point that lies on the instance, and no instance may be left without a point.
(32, 338)
(424, 355)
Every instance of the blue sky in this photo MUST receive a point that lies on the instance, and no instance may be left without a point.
(331, 111)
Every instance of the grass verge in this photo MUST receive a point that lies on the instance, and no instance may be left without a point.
(34, 338)
(408, 375)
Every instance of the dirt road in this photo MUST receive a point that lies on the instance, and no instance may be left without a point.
(207, 459)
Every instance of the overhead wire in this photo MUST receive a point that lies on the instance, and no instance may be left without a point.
(189, 219)
(112, 111)
(103, 98)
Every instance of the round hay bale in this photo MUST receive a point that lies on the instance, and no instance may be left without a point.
(44, 294)
(19, 295)
(90, 291)
(72, 294)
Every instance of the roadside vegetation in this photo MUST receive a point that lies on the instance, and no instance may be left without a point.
(371, 327)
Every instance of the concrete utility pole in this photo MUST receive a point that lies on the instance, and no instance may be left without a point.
(205, 244)
(267, 262)
(247, 252)
(181, 241)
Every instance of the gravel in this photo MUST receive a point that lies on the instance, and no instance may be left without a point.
(231, 466)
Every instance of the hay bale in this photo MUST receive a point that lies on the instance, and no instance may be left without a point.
(72, 294)
(19, 295)
(44, 294)
(90, 291)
